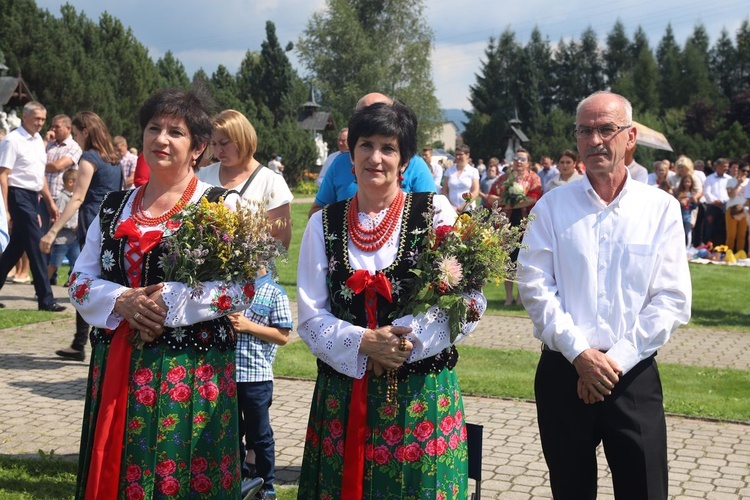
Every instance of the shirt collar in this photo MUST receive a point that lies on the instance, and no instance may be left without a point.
(594, 196)
(26, 135)
(261, 280)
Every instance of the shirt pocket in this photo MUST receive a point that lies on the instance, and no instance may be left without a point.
(261, 309)
(638, 266)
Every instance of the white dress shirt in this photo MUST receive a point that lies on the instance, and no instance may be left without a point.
(336, 342)
(24, 155)
(715, 188)
(608, 277)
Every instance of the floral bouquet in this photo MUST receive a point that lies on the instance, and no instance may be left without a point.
(513, 192)
(460, 258)
(214, 243)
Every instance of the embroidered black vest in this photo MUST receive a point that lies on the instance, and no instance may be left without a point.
(217, 333)
(350, 307)
(344, 304)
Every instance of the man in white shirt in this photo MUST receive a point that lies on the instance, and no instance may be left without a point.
(716, 197)
(435, 167)
(637, 171)
(343, 148)
(22, 165)
(606, 282)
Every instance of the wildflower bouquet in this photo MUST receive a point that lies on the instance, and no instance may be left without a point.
(513, 191)
(207, 241)
(460, 258)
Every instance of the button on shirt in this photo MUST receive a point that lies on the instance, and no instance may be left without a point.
(608, 277)
(24, 155)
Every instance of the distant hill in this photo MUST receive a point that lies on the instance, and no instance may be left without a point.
(456, 116)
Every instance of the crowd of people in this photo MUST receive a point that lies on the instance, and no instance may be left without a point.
(180, 386)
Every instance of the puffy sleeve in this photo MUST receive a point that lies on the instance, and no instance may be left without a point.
(334, 341)
(94, 297)
(430, 331)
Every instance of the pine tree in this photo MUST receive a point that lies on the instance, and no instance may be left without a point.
(617, 56)
(172, 71)
(668, 59)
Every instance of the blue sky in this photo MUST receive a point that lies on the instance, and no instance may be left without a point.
(205, 34)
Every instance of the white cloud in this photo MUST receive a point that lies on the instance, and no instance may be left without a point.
(454, 68)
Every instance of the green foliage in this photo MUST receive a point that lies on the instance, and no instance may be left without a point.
(358, 46)
(691, 94)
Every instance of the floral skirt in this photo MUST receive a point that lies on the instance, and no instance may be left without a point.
(181, 438)
(414, 451)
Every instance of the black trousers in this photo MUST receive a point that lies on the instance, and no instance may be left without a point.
(630, 423)
(23, 206)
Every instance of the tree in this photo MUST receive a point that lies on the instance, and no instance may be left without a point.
(743, 54)
(695, 82)
(359, 46)
(668, 59)
(617, 56)
(277, 78)
(494, 97)
(172, 72)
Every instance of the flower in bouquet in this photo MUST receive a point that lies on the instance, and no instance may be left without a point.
(513, 191)
(208, 241)
(459, 259)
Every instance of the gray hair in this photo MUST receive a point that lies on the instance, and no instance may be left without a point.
(32, 106)
(624, 102)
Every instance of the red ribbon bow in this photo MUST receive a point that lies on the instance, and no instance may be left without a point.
(146, 241)
(362, 280)
(356, 429)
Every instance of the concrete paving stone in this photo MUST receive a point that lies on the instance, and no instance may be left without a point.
(719, 495)
(723, 482)
(698, 486)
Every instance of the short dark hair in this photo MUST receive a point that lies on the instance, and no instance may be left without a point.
(463, 149)
(195, 106)
(396, 119)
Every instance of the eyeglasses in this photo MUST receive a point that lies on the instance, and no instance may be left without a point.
(605, 131)
(520, 159)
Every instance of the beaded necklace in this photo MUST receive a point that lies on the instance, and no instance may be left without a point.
(137, 212)
(369, 240)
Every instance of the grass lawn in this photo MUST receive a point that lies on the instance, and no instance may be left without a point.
(51, 477)
(691, 391)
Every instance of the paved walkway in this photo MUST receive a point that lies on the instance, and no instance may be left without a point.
(41, 406)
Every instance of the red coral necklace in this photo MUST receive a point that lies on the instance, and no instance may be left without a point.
(143, 220)
(369, 240)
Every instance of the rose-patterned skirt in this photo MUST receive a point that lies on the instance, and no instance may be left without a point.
(414, 451)
(181, 438)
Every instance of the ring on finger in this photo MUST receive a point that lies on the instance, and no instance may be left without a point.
(137, 316)
(402, 344)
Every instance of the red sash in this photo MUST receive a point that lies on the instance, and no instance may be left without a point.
(356, 427)
(103, 477)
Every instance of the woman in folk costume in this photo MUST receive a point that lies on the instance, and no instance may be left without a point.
(160, 418)
(387, 415)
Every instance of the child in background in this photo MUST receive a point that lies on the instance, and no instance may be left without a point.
(684, 195)
(66, 242)
(264, 326)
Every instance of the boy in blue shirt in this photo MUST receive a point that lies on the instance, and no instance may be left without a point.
(264, 326)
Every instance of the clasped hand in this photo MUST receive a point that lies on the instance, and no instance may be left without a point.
(385, 348)
(144, 309)
(597, 375)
